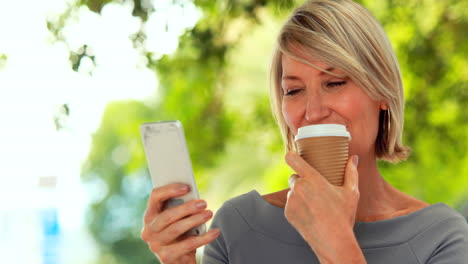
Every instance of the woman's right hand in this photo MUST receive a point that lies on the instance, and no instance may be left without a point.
(164, 231)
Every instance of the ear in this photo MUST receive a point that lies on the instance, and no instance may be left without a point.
(383, 105)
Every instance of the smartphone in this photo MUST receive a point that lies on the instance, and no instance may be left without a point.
(169, 161)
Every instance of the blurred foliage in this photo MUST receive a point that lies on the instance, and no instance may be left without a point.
(61, 116)
(3, 61)
(216, 85)
(83, 52)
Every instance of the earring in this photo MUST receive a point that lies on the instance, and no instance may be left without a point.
(387, 118)
(383, 106)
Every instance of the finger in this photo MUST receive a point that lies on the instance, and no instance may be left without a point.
(351, 180)
(174, 214)
(179, 228)
(161, 194)
(292, 180)
(176, 250)
(301, 167)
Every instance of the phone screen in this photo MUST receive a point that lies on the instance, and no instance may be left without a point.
(167, 155)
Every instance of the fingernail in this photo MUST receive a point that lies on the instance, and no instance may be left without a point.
(183, 188)
(207, 214)
(355, 160)
(200, 204)
(214, 232)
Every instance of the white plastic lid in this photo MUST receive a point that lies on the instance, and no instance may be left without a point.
(322, 130)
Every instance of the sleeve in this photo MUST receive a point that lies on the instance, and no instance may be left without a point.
(445, 242)
(454, 247)
(216, 251)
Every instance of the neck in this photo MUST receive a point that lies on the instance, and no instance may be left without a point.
(371, 185)
(378, 199)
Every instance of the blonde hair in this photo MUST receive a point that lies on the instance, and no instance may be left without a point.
(344, 35)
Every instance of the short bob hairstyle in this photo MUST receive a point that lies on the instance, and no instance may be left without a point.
(344, 35)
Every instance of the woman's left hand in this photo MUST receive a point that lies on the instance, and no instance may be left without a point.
(324, 214)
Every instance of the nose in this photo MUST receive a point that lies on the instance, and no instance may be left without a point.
(317, 109)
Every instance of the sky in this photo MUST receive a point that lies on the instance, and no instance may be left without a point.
(36, 79)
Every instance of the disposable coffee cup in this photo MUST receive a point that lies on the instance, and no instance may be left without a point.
(326, 148)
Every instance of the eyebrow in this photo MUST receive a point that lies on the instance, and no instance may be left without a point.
(292, 77)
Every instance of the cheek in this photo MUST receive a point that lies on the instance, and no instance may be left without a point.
(361, 109)
(365, 121)
(370, 116)
(290, 115)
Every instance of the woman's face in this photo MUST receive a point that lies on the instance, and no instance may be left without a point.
(315, 97)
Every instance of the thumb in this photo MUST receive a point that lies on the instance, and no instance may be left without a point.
(351, 180)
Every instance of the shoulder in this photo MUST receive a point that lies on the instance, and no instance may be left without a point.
(443, 235)
(231, 219)
(440, 215)
(438, 220)
(233, 215)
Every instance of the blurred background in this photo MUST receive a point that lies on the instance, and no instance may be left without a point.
(78, 77)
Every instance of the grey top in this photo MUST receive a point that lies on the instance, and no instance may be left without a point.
(254, 231)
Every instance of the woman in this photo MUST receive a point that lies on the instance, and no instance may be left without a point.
(333, 64)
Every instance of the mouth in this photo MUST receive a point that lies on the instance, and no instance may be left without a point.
(332, 123)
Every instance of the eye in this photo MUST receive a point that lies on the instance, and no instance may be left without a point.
(335, 84)
(291, 92)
